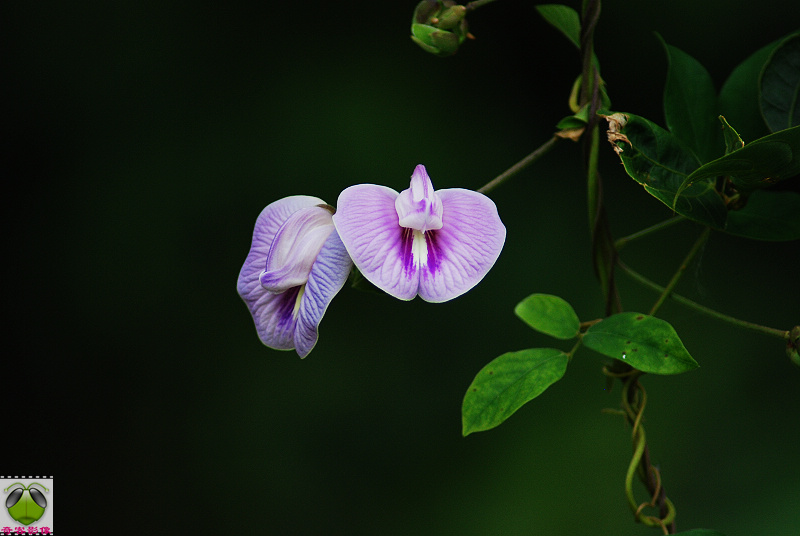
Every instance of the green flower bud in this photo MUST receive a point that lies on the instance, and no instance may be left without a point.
(421, 35)
(425, 11)
(439, 26)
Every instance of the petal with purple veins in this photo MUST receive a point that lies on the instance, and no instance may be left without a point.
(294, 248)
(277, 315)
(464, 249)
(438, 244)
(327, 277)
(367, 222)
(268, 222)
(274, 317)
(273, 216)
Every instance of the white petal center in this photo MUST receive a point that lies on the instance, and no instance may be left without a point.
(419, 249)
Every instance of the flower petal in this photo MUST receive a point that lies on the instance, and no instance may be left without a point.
(275, 319)
(294, 248)
(272, 313)
(464, 249)
(328, 275)
(419, 207)
(367, 222)
(274, 215)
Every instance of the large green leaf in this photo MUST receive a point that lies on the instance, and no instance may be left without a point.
(738, 98)
(780, 85)
(661, 164)
(644, 342)
(733, 142)
(508, 382)
(658, 160)
(564, 19)
(761, 163)
(550, 315)
(690, 104)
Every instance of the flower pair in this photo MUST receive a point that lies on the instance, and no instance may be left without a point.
(435, 244)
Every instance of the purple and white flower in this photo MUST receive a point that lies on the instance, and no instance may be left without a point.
(438, 244)
(295, 267)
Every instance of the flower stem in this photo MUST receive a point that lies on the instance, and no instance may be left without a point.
(575, 348)
(519, 166)
(603, 251)
(622, 242)
(681, 269)
(634, 399)
(772, 332)
(604, 258)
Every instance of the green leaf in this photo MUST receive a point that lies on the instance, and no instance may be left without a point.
(690, 104)
(700, 532)
(508, 382)
(768, 215)
(660, 163)
(738, 98)
(550, 315)
(564, 19)
(571, 122)
(780, 86)
(732, 139)
(567, 21)
(657, 160)
(758, 164)
(644, 342)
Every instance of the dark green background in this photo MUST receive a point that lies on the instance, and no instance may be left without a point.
(143, 139)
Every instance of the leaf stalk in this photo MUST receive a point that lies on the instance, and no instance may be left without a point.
(701, 240)
(519, 166)
(772, 332)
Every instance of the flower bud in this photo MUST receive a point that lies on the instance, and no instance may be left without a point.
(439, 26)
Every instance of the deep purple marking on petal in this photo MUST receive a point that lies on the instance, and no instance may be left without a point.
(457, 254)
(407, 245)
(284, 320)
(434, 253)
(274, 327)
(464, 249)
(366, 220)
(285, 311)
